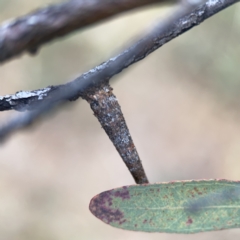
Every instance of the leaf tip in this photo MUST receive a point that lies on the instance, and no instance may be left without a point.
(100, 207)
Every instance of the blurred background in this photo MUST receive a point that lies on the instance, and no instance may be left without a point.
(181, 104)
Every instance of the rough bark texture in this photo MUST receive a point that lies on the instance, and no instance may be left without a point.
(43, 99)
(152, 41)
(29, 32)
(108, 112)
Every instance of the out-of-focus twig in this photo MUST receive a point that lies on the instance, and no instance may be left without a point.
(179, 23)
(26, 100)
(29, 32)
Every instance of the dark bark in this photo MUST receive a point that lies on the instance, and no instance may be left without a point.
(46, 98)
(26, 100)
(29, 32)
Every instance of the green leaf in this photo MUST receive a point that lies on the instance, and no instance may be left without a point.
(175, 207)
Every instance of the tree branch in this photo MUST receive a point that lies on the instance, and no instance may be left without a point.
(29, 32)
(163, 33)
(44, 99)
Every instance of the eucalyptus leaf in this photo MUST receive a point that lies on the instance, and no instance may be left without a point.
(174, 207)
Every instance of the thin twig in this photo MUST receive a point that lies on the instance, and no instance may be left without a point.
(26, 100)
(91, 80)
(90, 86)
(29, 32)
(24, 120)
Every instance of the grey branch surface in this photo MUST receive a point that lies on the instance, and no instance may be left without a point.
(44, 99)
(29, 32)
(27, 100)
